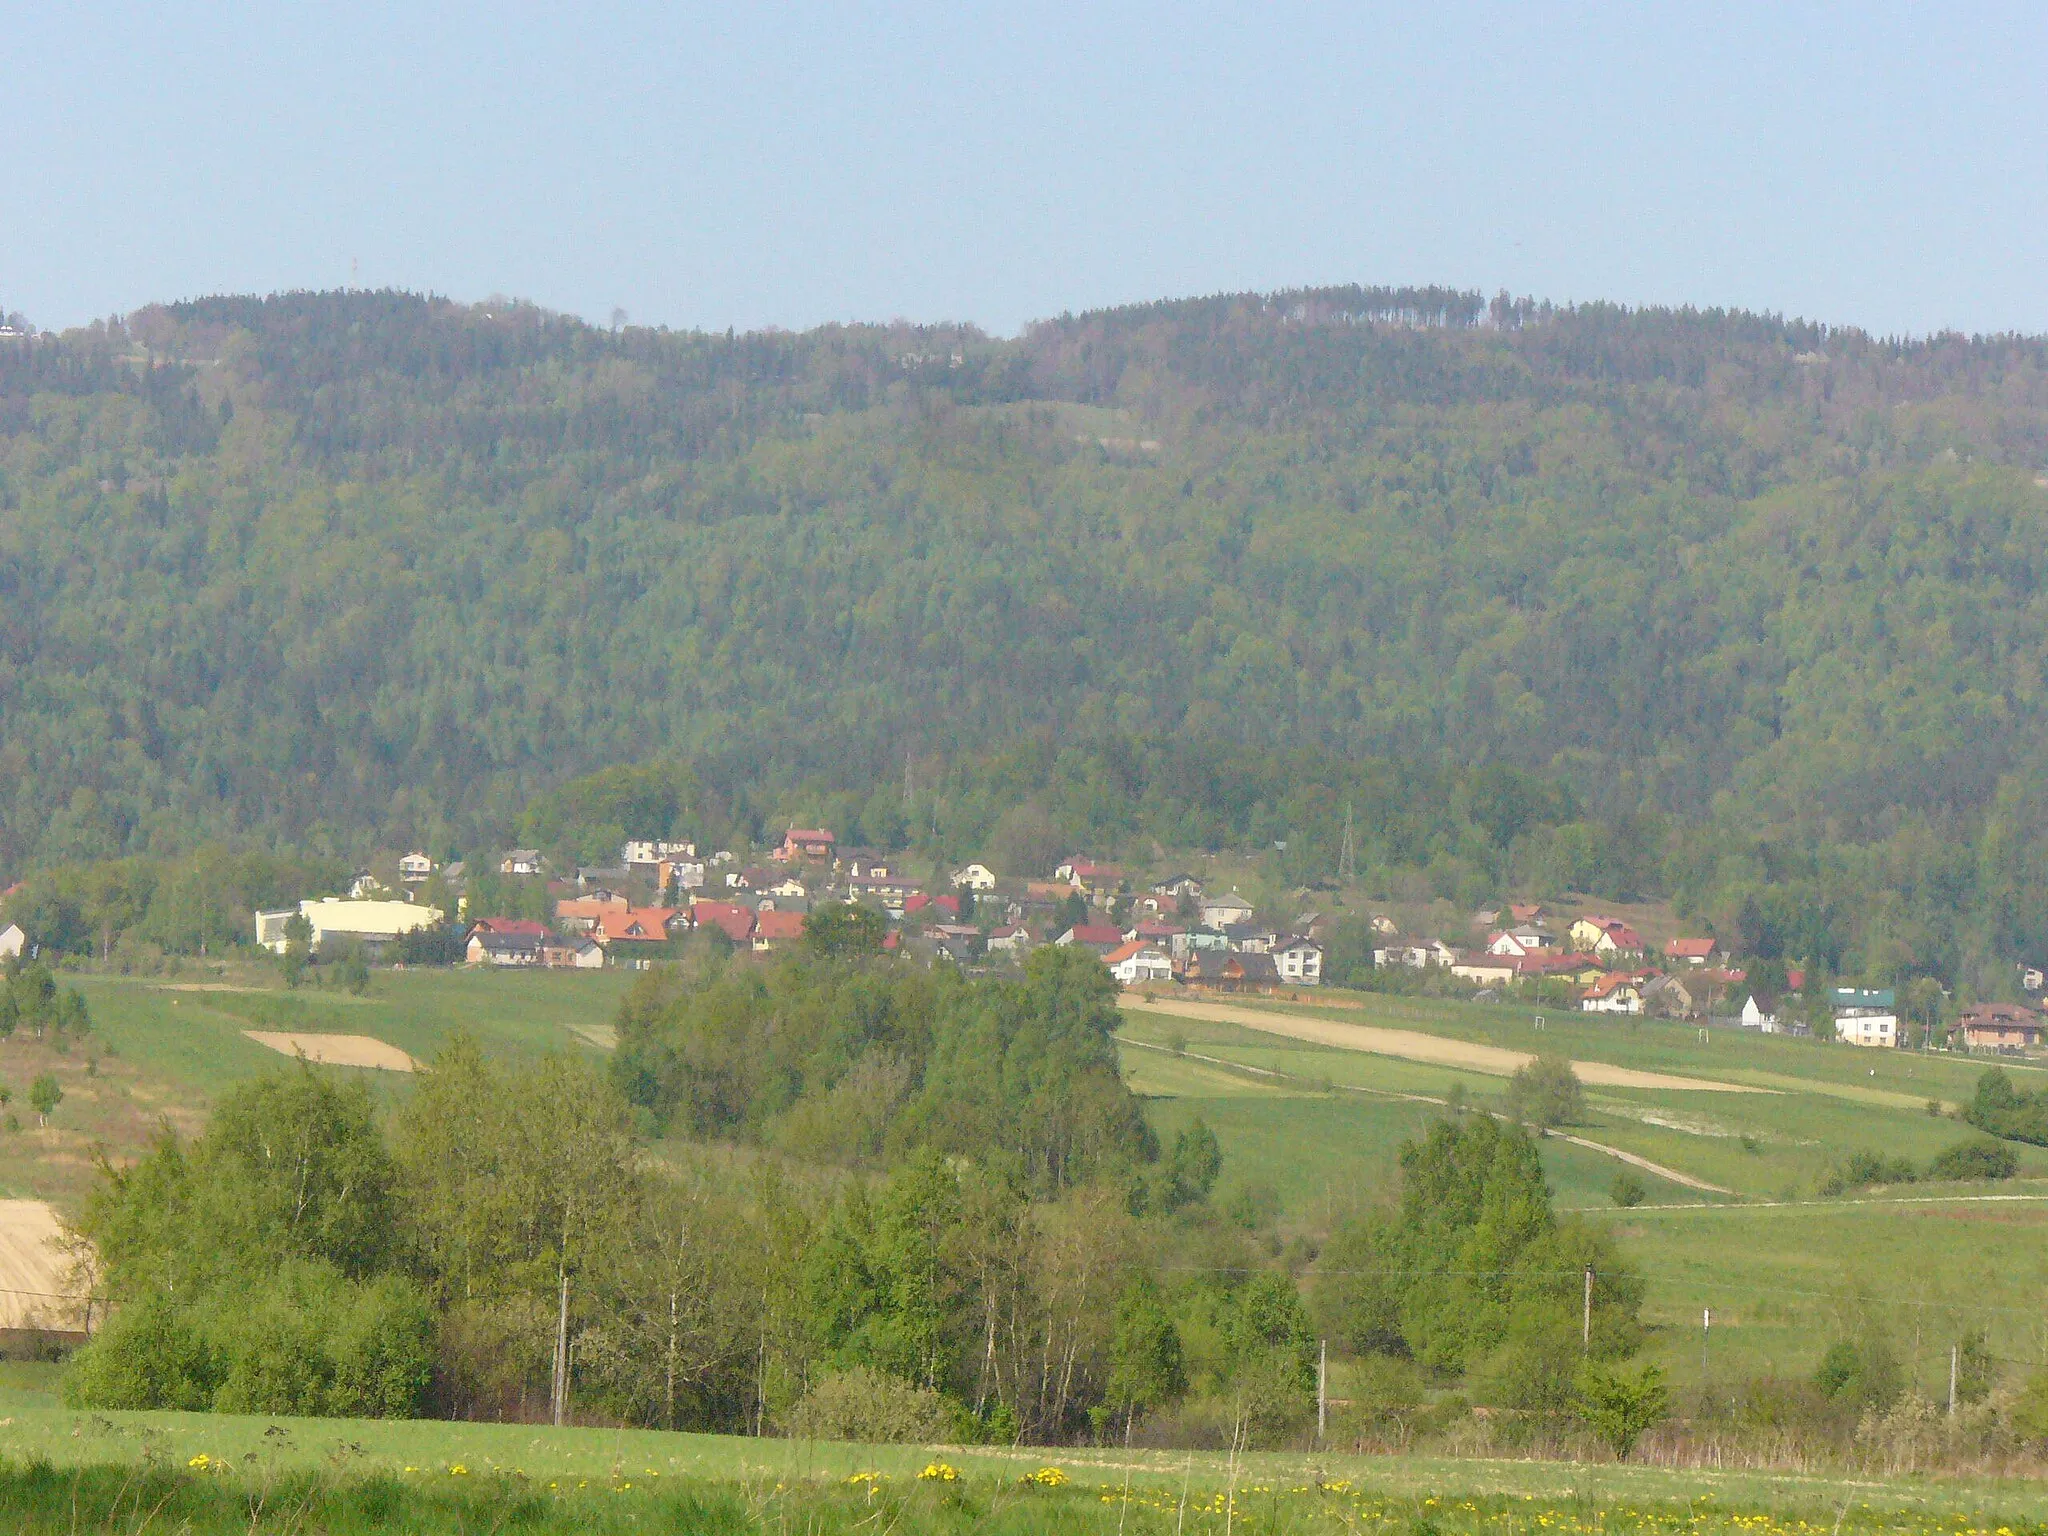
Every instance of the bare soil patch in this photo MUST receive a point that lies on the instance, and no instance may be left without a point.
(35, 1270)
(335, 1050)
(1413, 1045)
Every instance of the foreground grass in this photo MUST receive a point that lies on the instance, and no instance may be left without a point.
(204, 1497)
(70, 1471)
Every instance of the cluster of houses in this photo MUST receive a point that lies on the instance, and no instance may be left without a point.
(1168, 931)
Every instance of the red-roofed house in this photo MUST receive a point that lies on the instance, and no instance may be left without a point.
(1605, 936)
(519, 927)
(1134, 963)
(777, 930)
(1999, 1027)
(1100, 937)
(1616, 992)
(735, 922)
(1691, 951)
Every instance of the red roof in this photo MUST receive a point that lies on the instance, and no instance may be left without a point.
(1547, 965)
(778, 927)
(1123, 952)
(950, 905)
(634, 925)
(522, 927)
(1103, 935)
(916, 901)
(892, 940)
(736, 923)
(1152, 930)
(1690, 949)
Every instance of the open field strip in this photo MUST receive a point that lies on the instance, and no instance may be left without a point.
(1496, 1061)
(1631, 1158)
(257, 1446)
(335, 1050)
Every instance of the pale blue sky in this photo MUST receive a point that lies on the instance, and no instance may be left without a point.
(719, 165)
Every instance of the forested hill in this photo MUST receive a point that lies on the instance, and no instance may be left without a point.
(343, 568)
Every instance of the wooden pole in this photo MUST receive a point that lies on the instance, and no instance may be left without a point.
(1586, 1325)
(1323, 1392)
(561, 1393)
(1953, 1353)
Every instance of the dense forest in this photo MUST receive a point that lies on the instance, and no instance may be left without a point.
(1748, 612)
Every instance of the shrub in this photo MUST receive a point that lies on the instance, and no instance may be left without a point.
(864, 1404)
(1863, 1169)
(1627, 1190)
(1546, 1092)
(1978, 1158)
(1619, 1406)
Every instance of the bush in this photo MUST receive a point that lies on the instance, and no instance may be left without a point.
(1864, 1169)
(1627, 1190)
(1978, 1158)
(1546, 1092)
(1620, 1407)
(869, 1405)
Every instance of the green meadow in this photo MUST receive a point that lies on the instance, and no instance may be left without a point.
(1311, 1131)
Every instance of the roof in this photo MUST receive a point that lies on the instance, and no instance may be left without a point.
(1230, 965)
(2001, 1015)
(634, 925)
(508, 943)
(778, 927)
(1297, 941)
(524, 927)
(589, 906)
(808, 835)
(1612, 983)
(1690, 949)
(736, 923)
(1106, 934)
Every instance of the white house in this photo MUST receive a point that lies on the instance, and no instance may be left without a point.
(1300, 961)
(1514, 943)
(1867, 1027)
(12, 939)
(415, 867)
(371, 922)
(1222, 911)
(975, 877)
(520, 861)
(1012, 937)
(1134, 964)
(1753, 1017)
(1616, 992)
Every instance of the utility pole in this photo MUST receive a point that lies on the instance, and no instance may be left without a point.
(1953, 1354)
(1586, 1326)
(1347, 858)
(1323, 1392)
(560, 1406)
(1706, 1327)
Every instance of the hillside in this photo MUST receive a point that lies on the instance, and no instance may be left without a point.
(1733, 609)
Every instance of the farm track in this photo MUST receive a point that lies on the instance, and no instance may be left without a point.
(1413, 1045)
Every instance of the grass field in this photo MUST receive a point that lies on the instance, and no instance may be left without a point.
(256, 1456)
(1781, 1268)
(163, 1050)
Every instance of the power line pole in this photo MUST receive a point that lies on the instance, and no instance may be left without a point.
(1347, 857)
(1953, 1353)
(1586, 1326)
(1323, 1392)
(559, 1408)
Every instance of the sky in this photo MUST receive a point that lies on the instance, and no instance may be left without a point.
(788, 165)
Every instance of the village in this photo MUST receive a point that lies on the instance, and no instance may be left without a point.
(1170, 931)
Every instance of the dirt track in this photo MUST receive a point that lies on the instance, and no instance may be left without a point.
(34, 1272)
(336, 1050)
(1413, 1045)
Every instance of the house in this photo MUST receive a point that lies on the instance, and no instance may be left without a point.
(1190, 940)
(1575, 968)
(1608, 937)
(333, 920)
(777, 930)
(12, 940)
(579, 914)
(1135, 964)
(1489, 971)
(1865, 1016)
(1754, 1017)
(523, 927)
(810, 844)
(645, 857)
(679, 874)
(1616, 992)
(520, 861)
(735, 922)
(1173, 887)
(1251, 938)
(1385, 926)
(1669, 997)
(1222, 911)
(975, 877)
(1228, 971)
(864, 864)
(2003, 1027)
(365, 887)
(490, 946)
(1299, 960)
(1100, 937)
(414, 867)
(1011, 938)
(1526, 939)
(572, 952)
(785, 888)
(1152, 931)
(1527, 912)
(1089, 877)
(957, 941)
(2031, 978)
(1691, 951)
